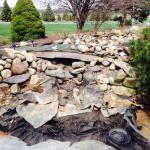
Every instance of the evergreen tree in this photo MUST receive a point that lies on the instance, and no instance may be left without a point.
(48, 15)
(59, 18)
(6, 12)
(26, 23)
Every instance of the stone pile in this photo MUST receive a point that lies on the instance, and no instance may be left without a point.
(41, 89)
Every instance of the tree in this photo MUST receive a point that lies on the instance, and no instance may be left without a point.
(6, 12)
(59, 18)
(101, 12)
(138, 9)
(48, 15)
(26, 23)
(80, 9)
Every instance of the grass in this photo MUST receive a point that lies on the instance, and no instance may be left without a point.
(55, 28)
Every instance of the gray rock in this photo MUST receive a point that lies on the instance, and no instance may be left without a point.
(69, 110)
(59, 73)
(131, 83)
(91, 145)
(76, 65)
(37, 115)
(13, 143)
(89, 76)
(91, 96)
(124, 91)
(18, 79)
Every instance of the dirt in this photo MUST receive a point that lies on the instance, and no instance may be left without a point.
(143, 122)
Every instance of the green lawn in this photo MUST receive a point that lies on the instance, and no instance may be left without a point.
(56, 28)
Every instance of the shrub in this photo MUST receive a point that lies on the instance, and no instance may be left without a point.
(26, 23)
(140, 51)
(4, 41)
(6, 12)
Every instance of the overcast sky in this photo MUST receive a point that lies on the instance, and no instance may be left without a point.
(13, 2)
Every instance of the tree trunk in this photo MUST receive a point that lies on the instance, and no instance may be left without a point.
(80, 24)
(123, 20)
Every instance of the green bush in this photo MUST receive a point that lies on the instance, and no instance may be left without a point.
(6, 12)
(48, 15)
(140, 51)
(26, 23)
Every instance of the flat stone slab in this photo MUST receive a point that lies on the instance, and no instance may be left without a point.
(13, 143)
(76, 56)
(17, 79)
(37, 115)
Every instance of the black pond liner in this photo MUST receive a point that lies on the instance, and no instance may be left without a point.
(88, 126)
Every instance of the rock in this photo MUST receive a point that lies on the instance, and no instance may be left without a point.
(58, 42)
(17, 79)
(130, 71)
(30, 57)
(112, 67)
(77, 71)
(124, 91)
(34, 80)
(1, 79)
(121, 75)
(114, 101)
(59, 73)
(132, 83)
(22, 44)
(1, 68)
(2, 62)
(113, 111)
(51, 66)
(69, 110)
(98, 48)
(31, 71)
(89, 96)
(19, 67)
(6, 73)
(91, 145)
(76, 65)
(10, 53)
(37, 115)
(89, 77)
(7, 66)
(83, 48)
(103, 79)
(34, 65)
(103, 87)
(20, 56)
(9, 142)
(95, 68)
(126, 67)
(67, 41)
(105, 63)
(15, 89)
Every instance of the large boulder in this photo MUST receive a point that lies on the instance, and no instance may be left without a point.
(19, 67)
(37, 115)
